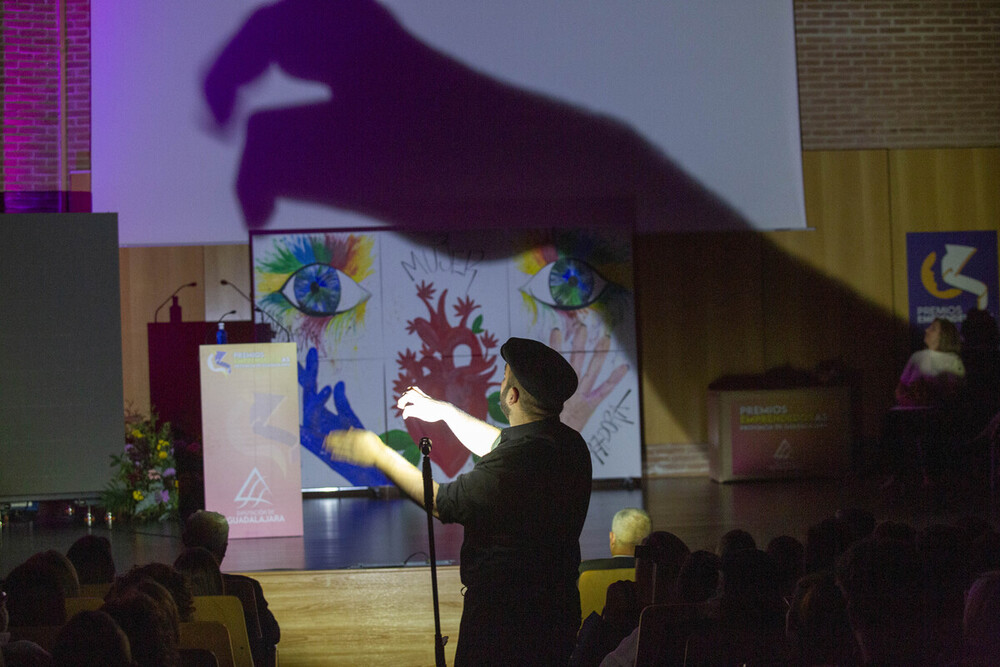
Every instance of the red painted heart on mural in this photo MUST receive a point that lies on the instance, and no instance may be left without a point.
(462, 381)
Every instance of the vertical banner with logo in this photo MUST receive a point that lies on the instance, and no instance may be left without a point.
(250, 427)
(951, 273)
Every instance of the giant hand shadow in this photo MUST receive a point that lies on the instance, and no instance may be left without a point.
(415, 138)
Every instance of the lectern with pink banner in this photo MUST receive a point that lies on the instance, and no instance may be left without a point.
(250, 427)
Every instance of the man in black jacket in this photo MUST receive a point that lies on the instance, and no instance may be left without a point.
(523, 507)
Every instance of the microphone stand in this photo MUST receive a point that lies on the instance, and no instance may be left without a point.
(257, 309)
(156, 313)
(439, 641)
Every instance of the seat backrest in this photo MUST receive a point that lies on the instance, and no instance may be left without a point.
(243, 589)
(76, 605)
(228, 610)
(211, 636)
(94, 590)
(686, 634)
(593, 585)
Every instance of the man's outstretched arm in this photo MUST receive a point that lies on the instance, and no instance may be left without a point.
(476, 435)
(365, 448)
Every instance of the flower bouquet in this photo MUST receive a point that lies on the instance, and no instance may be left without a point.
(144, 484)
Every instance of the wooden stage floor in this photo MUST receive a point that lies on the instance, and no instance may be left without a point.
(355, 588)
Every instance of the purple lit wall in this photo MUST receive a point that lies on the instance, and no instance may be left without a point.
(439, 114)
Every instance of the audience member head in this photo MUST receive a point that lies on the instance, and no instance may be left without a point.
(979, 331)
(658, 560)
(24, 653)
(788, 555)
(981, 621)
(895, 530)
(860, 523)
(945, 553)
(202, 570)
(698, 579)
(882, 580)
(817, 627)
(942, 335)
(629, 527)
(91, 556)
(825, 541)
(209, 530)
(148, 625)
(176, 584)
(735, 540)
(35, 596)
(750, 574)
(984, 554)
(91, 639)
(62, 569)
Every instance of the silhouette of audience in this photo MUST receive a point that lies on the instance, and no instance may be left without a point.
(981, 357)
(89, 639)
(699, 577)
(981, 621)
(35, 595)
(176, 584)
(151, 624)
(210, 530)
(817, 628)
(877, 594)
(92, 559)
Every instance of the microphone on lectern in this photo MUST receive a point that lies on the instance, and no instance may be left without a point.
(174, 297)
(256, 309)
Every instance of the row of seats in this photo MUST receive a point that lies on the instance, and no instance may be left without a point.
(218, 628)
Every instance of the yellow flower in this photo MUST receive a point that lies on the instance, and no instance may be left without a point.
(137, 494)
(163, 455)
(136, 433)
(163, 444)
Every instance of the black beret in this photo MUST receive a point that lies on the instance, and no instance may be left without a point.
(542, 371)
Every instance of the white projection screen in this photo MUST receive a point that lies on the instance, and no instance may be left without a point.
(431, 114)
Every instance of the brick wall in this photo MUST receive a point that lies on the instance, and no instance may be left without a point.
(898, 73)
(38, 39)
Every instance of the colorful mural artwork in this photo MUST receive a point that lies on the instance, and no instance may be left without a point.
(374, 312)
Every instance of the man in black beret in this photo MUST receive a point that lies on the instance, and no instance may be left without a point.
(522, 506)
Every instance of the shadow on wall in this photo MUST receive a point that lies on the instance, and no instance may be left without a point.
(415, 138)
(421, 141)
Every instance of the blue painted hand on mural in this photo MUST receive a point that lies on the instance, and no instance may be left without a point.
(318, 420)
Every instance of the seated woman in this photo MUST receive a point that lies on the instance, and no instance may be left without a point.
(933, 376)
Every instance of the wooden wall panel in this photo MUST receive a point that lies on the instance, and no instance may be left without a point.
(231, 263)
(699, 318)
(148, 277)
(827, 292)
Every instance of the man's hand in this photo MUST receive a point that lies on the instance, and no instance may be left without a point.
(356, 446)
(415, 403)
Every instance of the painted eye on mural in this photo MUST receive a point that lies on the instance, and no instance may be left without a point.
(320, 290)
(566, 284)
